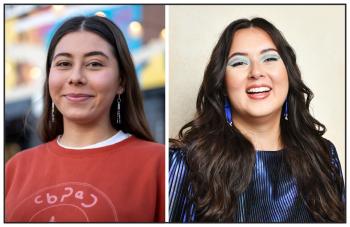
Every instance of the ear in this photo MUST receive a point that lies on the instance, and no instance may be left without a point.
(121, 84)
(120, 90)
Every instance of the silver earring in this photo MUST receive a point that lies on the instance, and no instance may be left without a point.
(53, 112)
(119, 119)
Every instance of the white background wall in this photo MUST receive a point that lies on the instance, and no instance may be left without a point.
(317, 34)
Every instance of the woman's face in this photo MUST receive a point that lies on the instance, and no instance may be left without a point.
(84, 77)
(256, 77)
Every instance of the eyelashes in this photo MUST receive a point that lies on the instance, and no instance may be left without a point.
(238, 61)
(94, 65)
(67, 64)
(63, 64)
(270, 57)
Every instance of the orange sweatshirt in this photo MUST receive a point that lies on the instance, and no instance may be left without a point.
(123, 182)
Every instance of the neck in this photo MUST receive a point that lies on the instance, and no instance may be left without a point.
(263, 132)
(79, 135)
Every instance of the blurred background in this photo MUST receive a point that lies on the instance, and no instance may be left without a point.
(28, 31)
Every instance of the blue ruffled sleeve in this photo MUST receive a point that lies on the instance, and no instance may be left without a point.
(178, 202)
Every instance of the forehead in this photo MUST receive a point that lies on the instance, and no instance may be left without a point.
(251, 40)
(82, 42)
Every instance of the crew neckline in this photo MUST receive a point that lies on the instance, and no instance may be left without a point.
(116, 138)
(54, 147)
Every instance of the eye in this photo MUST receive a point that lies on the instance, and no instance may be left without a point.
(63, 64)
(270, 58)
(238, 61)
(94, 65)
(235, 64)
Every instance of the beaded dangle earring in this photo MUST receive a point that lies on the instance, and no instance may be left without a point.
(119, 119)
(228, 112)
(285, 110)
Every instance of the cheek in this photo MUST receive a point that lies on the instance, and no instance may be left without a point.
(234, 81)
(105, 83)
(55, 83)
(280, 77)
(235, 87)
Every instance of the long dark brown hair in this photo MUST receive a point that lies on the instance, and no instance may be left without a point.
(132, 112)
(221, 159)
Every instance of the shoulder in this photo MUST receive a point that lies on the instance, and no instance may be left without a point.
(24, 159)
(28, 154)
(178, 167)
(177, 157)
(333, 154)
(178, 188)
(144, 148)
(336, 170)
(147, 145)
(329, 144)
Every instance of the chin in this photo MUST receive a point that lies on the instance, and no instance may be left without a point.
(263, 114)
(78, 118)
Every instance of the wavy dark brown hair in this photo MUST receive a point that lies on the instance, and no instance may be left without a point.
(133, 119)
(221, 159)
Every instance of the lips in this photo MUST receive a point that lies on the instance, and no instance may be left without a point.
(77, 97)
(258, 91)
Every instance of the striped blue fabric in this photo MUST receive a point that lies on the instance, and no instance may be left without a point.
(271, 196)
(177, 199)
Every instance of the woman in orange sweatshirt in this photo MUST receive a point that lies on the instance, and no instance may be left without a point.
(99, 162)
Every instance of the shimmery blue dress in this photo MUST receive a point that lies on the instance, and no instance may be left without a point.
(271, 196)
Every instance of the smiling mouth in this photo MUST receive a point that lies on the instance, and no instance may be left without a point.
(77, 97)
(258, 90)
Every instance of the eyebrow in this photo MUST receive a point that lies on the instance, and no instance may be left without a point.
(245, 54)
(89, 54)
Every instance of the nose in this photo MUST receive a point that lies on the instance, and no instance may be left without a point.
(255, 71)
(77, 76)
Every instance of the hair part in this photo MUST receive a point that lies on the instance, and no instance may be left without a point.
(133, 119)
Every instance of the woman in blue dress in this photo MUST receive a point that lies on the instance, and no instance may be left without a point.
(253, 152)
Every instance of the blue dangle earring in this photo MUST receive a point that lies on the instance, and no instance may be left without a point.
(285, 110)
(228, 112)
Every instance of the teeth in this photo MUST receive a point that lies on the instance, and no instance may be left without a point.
(258, 89)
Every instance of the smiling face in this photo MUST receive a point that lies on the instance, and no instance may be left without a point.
(256, 77)
(84, 78)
